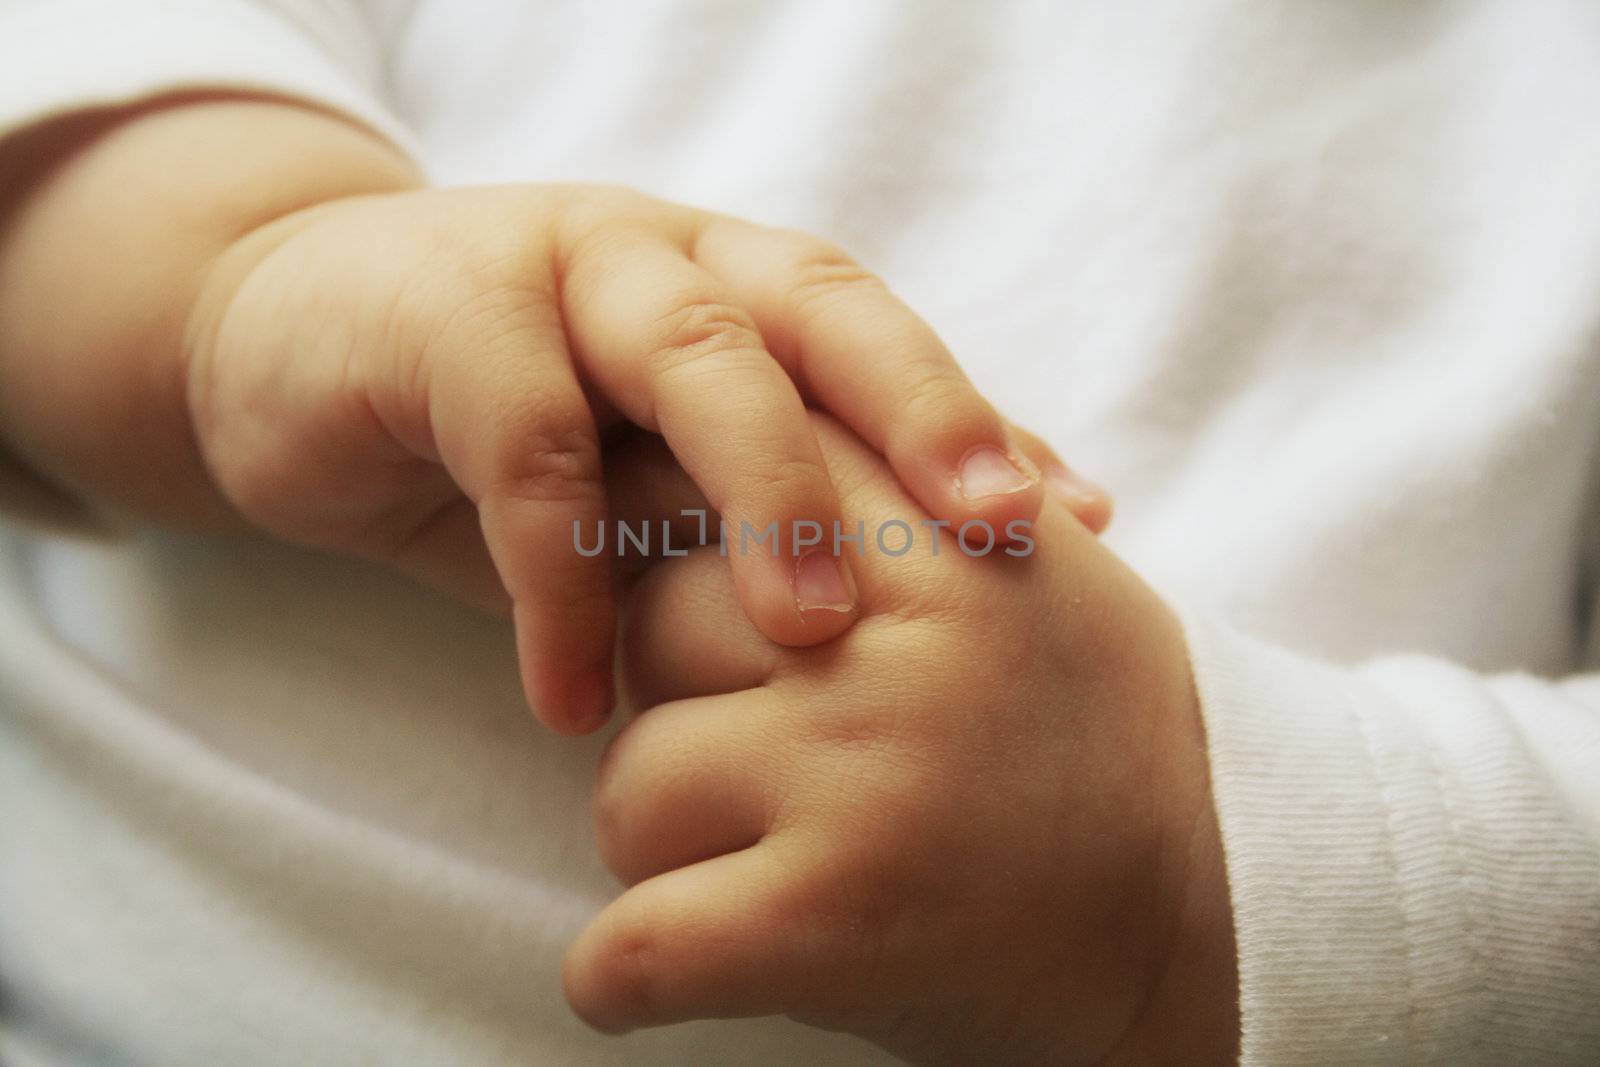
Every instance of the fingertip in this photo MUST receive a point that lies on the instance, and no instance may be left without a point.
(823, 583)
(1096, 514)
(987, 489)
(721, 938)
(825, 599)
(1004, 514)
(1088, 501)
(989, 472)
(818, 625)
(592, 701)
(564, 656)
(797, 599)
(1000, 519)
(796, 628)
(572, 705)
(603, 977)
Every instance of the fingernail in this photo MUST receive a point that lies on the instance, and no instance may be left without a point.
(1071, 483)
(987, 471)
(820, 583)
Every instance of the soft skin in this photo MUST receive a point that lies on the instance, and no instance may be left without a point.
(976, 828)
(225, 311)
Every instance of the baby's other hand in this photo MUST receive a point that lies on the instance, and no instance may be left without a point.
(976, 828)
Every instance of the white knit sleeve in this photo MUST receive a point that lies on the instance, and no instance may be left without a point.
(58, 56)
(1413, 854)
(63, 56)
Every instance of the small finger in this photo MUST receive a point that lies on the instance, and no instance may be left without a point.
(511, 424)
(729, 937)
(682, 783)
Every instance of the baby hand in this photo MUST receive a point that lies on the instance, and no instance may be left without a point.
(423, 377)
(975, 828)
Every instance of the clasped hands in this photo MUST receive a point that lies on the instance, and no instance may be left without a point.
(975, 827)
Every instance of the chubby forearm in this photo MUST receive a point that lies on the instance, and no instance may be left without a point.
(109, 224)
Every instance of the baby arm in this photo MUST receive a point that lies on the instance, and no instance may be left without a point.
(226, 310)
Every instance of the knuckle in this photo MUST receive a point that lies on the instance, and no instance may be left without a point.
(480, 310)
(949, 606)
(589, 205)
(604, 197)
(880, 742)
(824, 274)
(940, 405)
(470, 268)
(697, 329)
(934, 393)
(588, 218)
(854, 730)
(796, 481)
(552, 466)
(780, 490)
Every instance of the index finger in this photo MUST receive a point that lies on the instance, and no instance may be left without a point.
(676, 354)
(878, 368)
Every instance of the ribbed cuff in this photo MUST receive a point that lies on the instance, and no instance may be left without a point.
(1348, 907)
